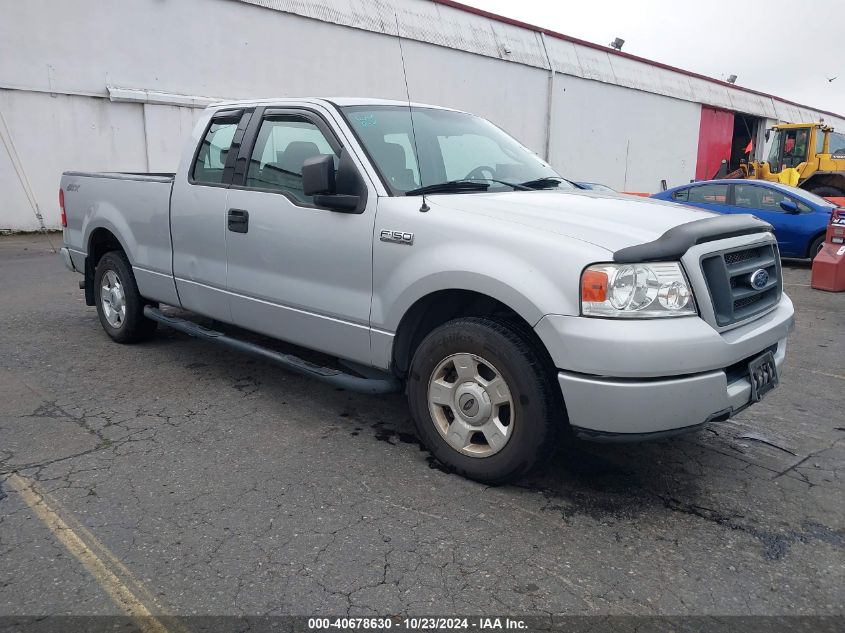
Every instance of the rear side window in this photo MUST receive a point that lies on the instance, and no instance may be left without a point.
(212, 154)
(712, 194)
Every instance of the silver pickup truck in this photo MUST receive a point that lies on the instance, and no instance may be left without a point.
(425, 249)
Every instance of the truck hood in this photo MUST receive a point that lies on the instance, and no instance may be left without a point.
(610, 222)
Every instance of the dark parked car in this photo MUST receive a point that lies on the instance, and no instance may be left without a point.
(800, 218)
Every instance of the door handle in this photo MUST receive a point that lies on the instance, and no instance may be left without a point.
(238, 220)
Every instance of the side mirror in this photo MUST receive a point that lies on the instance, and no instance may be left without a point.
(789, 206)
(768, 133)
(318, 175)
(344, 192)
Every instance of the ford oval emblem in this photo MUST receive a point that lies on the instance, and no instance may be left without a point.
(759, 279)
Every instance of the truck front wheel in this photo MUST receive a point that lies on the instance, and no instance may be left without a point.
(483, 400)
(119, 304)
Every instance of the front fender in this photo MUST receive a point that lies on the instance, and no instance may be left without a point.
(529, 289)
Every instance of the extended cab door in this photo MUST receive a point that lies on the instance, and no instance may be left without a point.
(198, 216)
(296, 271)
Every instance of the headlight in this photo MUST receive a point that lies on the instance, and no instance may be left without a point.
(637, 291)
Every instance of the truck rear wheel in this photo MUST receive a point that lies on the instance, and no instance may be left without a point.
(119, 305)
(483, 400)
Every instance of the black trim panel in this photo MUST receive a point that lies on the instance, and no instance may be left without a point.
(676, 241)
(609, 438)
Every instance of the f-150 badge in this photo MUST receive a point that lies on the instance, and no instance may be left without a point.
(398, 237)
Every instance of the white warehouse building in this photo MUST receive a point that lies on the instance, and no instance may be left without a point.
(117, 86)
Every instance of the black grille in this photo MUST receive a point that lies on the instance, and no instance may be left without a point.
(737, 257)
(746, 301)
(728, 276)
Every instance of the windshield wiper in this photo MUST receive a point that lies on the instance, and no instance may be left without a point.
(450, 186)
(542, 183)
(513, 185)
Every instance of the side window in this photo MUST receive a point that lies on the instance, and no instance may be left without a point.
(748, 196)
(211, 157)
(681, 194)
(764, 199)
(710, 194)
(282, 146)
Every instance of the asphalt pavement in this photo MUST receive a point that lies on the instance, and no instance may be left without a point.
(182, 478)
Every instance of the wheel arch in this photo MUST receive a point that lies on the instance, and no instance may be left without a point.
(101, 240)
(811, 241)
(439, 306)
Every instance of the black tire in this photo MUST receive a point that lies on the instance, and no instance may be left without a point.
(538, 413)
(828, 192)
(815, 246)
(134, 327)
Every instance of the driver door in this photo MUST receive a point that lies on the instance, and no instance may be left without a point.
(296, 272)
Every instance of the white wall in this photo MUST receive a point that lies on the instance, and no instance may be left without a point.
(53, 134)
(512, 96)
(58, 60)
(166, 129)
(626, 139)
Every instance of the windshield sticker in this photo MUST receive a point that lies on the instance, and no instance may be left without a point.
(365, 119)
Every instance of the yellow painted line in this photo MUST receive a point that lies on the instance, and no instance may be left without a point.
(82, 544)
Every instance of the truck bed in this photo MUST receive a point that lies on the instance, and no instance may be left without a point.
(135, 208)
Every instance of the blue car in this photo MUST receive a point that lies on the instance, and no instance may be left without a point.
(800, 218)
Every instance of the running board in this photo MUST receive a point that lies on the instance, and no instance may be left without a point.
(377, 382)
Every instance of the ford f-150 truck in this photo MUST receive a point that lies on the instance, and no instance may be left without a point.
(424, 248)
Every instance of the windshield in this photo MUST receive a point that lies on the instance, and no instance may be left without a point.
(452, 146)
(813, 198)
(837, 142)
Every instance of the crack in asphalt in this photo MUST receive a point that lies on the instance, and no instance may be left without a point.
(775, 544)
(281, 498)
(598, 505)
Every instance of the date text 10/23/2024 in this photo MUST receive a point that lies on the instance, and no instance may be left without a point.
(417, 624)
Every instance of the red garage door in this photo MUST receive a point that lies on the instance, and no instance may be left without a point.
(714, 141)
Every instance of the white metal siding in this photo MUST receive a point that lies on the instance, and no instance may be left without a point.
(54, 134)
(626, 139)
(616, 120)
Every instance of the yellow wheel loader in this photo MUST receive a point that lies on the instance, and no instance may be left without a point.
(806, 155)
